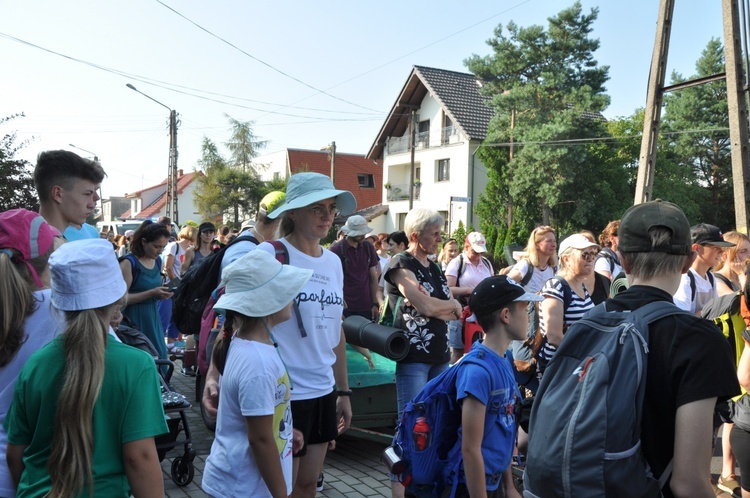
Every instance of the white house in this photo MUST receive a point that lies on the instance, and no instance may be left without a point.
(151, 202)
(451, 119)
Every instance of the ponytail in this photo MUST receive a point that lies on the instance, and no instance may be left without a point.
(17, 299)
(232, 323)
(84, 342)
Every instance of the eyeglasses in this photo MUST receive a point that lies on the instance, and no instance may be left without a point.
(589, 255)
(320, 211)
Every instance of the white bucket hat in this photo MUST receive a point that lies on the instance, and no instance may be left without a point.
(258, 285)
(304, 189)
(355, 226)
(576, 241)
(85, 275)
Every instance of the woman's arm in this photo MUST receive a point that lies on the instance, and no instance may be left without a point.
(743, 369)
(553, 316)
(457, 291)
(169, 267)
(260, 435)
(143, 469)
(189, 255)
(14, 457)
(429, 306)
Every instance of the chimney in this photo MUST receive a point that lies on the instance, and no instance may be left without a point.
(179, 173)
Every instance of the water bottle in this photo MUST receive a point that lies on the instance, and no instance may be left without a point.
(421, 434)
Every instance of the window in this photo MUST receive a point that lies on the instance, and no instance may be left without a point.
(446, 227)
(276, 175)
(366, 180)
(417, 174)
(444, 170)
(424, 126)
(401, 220)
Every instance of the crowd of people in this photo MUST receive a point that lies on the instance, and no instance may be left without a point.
(80, 410)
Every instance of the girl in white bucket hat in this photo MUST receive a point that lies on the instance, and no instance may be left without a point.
(86, 407)
(252, 452)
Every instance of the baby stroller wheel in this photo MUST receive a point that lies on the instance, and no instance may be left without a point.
(183, 471)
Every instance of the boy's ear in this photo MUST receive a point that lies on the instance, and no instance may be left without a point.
(56, 193)
(505, 315)
(689, 261)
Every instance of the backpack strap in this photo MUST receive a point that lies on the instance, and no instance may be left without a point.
(567, 292)
(694, 286)
(725, 280)
(460, 268)
(282, 256)
(341, 253)
(527, 278)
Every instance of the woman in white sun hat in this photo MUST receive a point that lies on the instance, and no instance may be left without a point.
(252, 452)
(86, 406)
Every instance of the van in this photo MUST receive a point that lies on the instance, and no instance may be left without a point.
(120, 227)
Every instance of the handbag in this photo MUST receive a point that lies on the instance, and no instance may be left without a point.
(739, 412)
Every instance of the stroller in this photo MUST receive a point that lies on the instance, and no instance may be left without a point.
(175, 404)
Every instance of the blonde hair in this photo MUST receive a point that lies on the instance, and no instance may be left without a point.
(84, 342)
(443, 257)
(737, 239)
(17, 300)
(532, 253)
(188, 233)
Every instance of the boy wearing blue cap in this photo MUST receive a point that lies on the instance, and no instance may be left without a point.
(487, 441)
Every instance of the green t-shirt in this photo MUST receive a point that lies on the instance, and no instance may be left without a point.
(129, 408)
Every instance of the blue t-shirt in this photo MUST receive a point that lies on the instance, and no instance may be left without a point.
(85, 232)
(495, 388)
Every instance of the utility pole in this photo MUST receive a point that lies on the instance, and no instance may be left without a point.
(171, 204)
(647, 160)
(413, 145)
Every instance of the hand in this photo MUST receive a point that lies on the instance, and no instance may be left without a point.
(343, 413)
(162, 292)
(298, 441)
(210, 398)
(375, 312)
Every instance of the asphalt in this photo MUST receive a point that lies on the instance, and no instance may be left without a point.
(352, 470)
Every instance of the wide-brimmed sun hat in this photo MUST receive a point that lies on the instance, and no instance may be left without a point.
(258, 285)
(85, 275)
(355, 226)
(27, 235)
(305, 189)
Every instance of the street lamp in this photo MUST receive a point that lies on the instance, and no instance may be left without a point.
(96, 159)
(171, 210)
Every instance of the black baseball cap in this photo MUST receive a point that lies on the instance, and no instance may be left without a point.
(494, 293)
(206, 226)
(703, 233)
(639, 219)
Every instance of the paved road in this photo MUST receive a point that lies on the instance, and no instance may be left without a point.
(353, 470)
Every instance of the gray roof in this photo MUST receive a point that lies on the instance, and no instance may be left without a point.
(458, 93)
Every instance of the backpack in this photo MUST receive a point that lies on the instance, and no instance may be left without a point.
(611, 257)
(693, 285)
(584, 434)
(195, 289)
(472, 331)
(724, 311)
(430, 471)
(135, 270)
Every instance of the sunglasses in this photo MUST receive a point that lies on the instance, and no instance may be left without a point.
(589, 255)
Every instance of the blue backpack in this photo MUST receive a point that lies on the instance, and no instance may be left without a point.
(440, 465)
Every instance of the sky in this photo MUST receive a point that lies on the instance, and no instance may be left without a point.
(306, 73)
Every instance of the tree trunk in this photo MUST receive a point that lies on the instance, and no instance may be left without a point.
(546, 213)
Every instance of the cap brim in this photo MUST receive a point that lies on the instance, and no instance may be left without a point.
(357, 233)
(528, 296)
(719, 244)
(345, 202)
(479, 249)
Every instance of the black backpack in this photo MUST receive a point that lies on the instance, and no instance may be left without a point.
(196, 287)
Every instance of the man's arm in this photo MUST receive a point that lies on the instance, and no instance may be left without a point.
(472, 421)
(692, 449)
(343, 404)
(376, 300)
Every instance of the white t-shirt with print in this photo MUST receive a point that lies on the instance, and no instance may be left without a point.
(309, 355)
(254, 384)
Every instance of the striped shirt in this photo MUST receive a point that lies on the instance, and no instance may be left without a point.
(578, 307)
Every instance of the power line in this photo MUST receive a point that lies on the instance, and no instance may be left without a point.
(262, 61)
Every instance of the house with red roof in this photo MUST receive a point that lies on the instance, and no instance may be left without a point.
(353, 172)
(151, 202)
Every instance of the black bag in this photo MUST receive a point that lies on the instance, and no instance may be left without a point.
(196, 287)
(739, 412)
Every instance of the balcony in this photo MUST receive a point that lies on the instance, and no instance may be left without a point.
(424, 140)
(400, 192)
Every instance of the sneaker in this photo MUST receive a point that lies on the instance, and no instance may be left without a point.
(319, 486)
(730, 485)
(719, 492)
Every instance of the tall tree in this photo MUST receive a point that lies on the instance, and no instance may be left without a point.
(547, 90)
(243, 145)
(696, 127)
(17, 185)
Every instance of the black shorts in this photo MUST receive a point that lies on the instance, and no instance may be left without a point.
(316, 419)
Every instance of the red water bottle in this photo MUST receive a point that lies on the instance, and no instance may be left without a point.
(421, 434)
